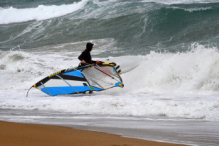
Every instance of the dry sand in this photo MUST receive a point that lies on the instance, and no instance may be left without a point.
(16, 134)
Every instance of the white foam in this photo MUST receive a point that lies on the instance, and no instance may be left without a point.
(147, 105)
(180, 85)
(193, 71)
(13, 15)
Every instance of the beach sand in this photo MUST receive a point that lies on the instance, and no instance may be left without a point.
(17, 134)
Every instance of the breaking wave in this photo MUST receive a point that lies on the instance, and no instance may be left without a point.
(41, 12)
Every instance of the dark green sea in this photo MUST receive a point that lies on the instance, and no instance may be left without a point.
(136, 27)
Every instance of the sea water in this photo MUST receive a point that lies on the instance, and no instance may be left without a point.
(168, 52)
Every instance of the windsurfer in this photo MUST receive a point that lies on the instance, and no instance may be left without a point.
(85, 56)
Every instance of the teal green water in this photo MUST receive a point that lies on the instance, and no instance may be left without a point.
(136, 27)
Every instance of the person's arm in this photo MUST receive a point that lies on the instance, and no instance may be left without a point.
(81, 58)
(93, 62)
(96, 62)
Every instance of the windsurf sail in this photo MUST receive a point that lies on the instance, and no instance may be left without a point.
(78, 80)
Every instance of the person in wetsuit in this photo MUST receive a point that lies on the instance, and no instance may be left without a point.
(85, 56)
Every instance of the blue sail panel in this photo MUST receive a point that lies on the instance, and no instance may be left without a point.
(75, 73)
(67, 90)
(96, 89)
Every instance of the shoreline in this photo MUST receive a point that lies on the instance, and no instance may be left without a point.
(184, 131)
(21, 134)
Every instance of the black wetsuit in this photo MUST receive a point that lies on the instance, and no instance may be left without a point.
(85, 55)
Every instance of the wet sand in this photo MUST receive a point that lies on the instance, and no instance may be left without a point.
(18, 134)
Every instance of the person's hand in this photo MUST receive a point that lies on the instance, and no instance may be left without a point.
(83, 62)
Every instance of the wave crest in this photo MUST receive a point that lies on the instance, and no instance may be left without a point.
(41, 12)
(192, 71)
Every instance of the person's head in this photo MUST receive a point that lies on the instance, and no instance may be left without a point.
(89, 46)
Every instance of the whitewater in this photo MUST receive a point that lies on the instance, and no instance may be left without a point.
(14, 15)
(182, 85)
(168, 52)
